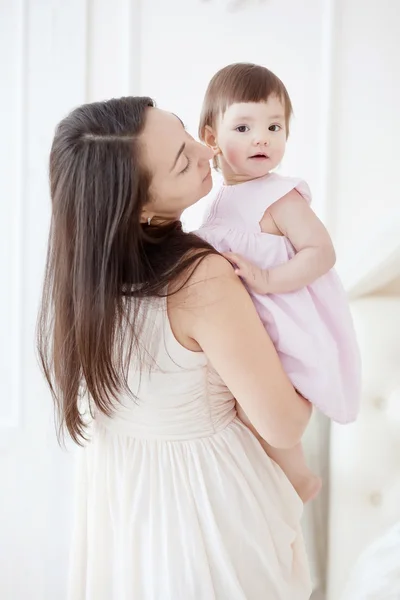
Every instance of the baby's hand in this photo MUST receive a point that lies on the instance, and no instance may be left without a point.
(254, 277)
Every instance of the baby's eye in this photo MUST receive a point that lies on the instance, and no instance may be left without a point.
(242, 129)
(275, 128)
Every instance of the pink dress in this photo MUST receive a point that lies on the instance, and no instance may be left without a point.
(311, 328)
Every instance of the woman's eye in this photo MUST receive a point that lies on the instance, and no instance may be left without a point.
(275, 128)
(186, 168)
(242, 129)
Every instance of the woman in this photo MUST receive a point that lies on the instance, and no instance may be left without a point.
(178, 499)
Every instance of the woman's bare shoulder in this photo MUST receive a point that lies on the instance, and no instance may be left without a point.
(204, 273)
(205, 283)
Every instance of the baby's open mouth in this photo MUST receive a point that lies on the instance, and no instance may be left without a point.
(259, 156)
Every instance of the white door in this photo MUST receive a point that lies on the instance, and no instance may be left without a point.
(54, 55)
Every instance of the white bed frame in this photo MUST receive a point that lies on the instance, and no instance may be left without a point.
(364, 496)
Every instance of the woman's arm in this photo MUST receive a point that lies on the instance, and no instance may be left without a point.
(217, 313)
(315, 254)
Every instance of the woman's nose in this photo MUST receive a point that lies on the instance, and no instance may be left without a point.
(206, 153)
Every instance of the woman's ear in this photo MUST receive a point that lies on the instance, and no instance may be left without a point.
(146, 216)
(210, 140)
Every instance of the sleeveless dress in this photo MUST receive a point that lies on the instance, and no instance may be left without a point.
(176, 499)
(312, 328)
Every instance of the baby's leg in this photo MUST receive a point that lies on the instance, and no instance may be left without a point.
(293, 464)
(291, 461)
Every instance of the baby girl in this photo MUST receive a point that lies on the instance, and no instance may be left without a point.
(265, 226)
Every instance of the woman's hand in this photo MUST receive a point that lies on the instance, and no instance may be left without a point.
(255, 278)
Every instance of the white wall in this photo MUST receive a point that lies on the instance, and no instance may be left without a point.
(365, 127)
(41, 76)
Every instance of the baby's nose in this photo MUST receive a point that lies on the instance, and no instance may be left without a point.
(262, 141)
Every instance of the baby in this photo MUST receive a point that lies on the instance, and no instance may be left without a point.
(263, 223)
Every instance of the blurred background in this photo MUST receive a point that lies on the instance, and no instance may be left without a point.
(340, 61)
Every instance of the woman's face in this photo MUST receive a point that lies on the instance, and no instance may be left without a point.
(179, 166)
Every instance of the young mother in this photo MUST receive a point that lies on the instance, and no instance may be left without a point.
(178, 499)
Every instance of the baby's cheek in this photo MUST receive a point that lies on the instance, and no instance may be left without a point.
(233, 154)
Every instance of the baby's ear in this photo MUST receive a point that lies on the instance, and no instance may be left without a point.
(210, 140)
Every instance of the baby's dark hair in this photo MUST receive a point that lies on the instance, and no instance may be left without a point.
(241, 82)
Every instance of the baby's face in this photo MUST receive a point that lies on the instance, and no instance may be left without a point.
(251, 138)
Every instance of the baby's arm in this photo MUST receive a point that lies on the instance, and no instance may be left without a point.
(315, 254)
(291, 461)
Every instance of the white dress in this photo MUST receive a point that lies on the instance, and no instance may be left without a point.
(176, 498)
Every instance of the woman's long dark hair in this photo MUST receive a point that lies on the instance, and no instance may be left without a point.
(99, 253)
